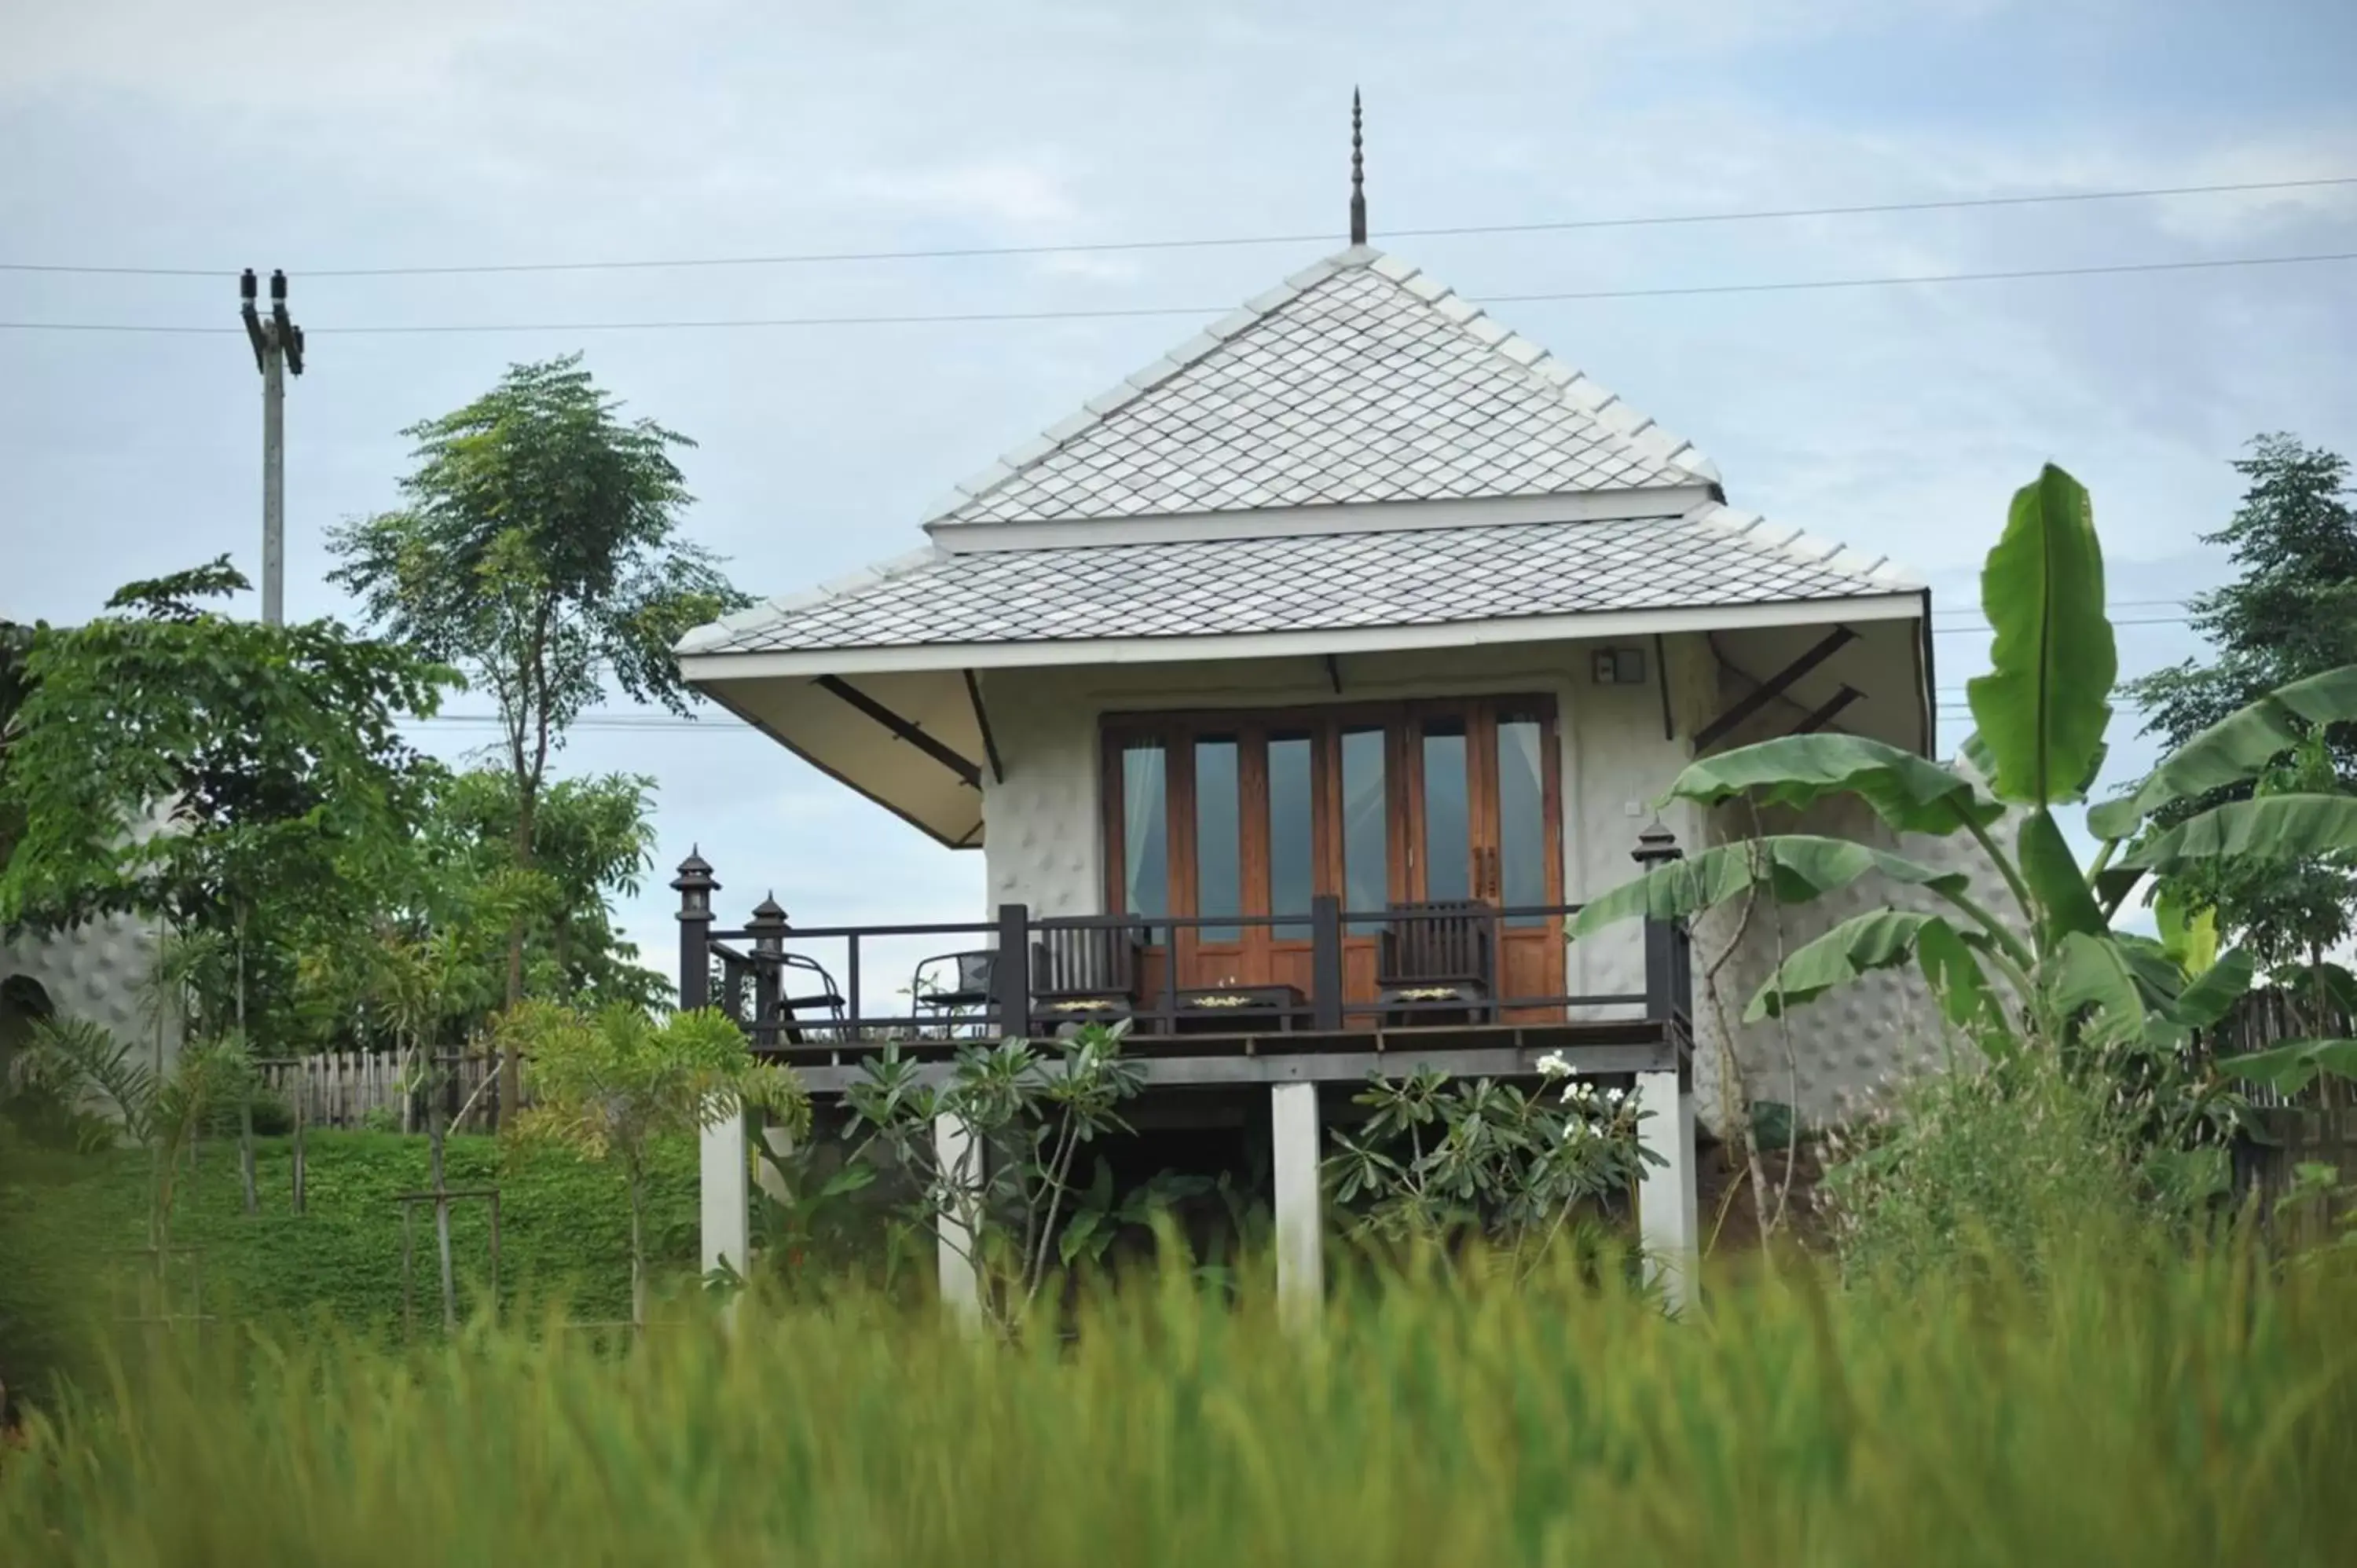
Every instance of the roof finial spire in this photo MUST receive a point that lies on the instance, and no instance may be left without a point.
(1358, 176)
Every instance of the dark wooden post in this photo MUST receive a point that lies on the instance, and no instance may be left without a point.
(696, 886)
(1656, 847)
(1011, 971)
(1325, 961)
(768, 927)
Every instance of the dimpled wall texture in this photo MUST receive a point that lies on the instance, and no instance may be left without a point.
(1851, 1045)
(97, 972)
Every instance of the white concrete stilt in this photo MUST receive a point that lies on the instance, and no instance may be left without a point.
(961, 1162)
(1668, 1220)
(724, 1192)
(780, 1142)
(1300, 1229)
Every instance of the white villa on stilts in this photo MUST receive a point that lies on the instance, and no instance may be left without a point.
(1293, 691)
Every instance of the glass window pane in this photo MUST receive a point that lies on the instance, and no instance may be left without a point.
(1521, 818)
(1145, 828)
(1366, 845)
(1447, 817)
(1219, 837)
(1291, 839)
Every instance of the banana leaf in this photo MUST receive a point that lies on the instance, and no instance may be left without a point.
(2045, 705)
(1794, 867)
(2215, 990)
(2294, 1065)
(2065, 902)
(2275, 829)
(1955, 977)
(2237, 747)
(1910, 793)
(1882, 939)
(2091, 971)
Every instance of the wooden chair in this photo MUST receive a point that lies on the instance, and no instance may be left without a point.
(1430, 955)
(1084, 975)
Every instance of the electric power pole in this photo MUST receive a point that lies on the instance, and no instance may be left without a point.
(277, 348)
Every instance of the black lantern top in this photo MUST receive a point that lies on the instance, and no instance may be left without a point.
(1657, 846)
(767, 924)
(696, 886)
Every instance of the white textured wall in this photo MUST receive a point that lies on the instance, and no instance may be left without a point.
(98, 972)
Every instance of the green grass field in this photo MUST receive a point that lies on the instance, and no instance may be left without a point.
(565, 1228)
(2134, 1409)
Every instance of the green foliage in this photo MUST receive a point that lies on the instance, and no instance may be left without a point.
(272, 752)
(2287, 625)
(2129, 1406)
(1907, 791)
(1794, 867)
(564, 1231)
(2123, 1006)
(611, 1085)
(79, 1064)
(608, 1085)
(2293, 1064)
(592, 841)
(1440, 1162)
(2045, 704)
(1008, 1203)
(2012, 1159)
(539, 548)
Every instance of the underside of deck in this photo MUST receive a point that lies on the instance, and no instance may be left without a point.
(1590, 1049)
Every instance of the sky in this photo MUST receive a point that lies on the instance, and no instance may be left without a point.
(153, 134)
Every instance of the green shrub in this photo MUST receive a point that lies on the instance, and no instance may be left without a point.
(2010, 1160)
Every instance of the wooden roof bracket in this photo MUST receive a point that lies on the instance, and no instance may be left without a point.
(1773, 687)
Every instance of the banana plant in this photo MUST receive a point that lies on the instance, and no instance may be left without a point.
(2036, 958)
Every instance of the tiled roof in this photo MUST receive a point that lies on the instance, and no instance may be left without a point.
(1360, 379)
(1307, 582)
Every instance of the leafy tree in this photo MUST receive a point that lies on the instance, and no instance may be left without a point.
(2292, 613)
(538, 549)
(271, 755)
(611, 1084)
(2058, 975)
(244, 783)
(593, 840)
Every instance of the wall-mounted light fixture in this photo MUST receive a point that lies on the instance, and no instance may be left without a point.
(1620, 666)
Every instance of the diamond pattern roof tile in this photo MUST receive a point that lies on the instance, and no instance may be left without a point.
(1316, 392)
(1301, 583)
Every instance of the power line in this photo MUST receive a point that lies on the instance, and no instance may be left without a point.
(1124, 312)
(1214, 243)
(2151, 620)
(1978, 619)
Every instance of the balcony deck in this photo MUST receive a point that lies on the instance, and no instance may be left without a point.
(1017, 976)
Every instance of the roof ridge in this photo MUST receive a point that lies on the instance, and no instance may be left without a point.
(1578, 390)
(1574, 385)
(1790, 541)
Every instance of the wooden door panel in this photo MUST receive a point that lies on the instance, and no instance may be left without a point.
(1530, 963)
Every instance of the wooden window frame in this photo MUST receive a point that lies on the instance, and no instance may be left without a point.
(1178, 730)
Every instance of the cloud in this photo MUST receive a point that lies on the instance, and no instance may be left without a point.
(265, 53)
(1001, 190)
